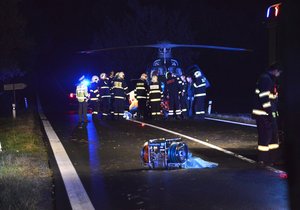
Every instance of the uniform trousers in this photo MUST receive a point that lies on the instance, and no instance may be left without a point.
(268, 139)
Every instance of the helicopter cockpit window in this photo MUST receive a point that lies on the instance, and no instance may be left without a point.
(174, 62)
(178, 71)
(157, 62)
(164, 52)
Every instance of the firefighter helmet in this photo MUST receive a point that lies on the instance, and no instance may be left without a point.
(121, 75)
(154, 78)
(102, 76)
(95, 78)
(197, 74)
(144, 76)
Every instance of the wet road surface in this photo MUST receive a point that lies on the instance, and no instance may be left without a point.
(106, 156)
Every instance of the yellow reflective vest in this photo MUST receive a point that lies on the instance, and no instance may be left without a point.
(82, 93)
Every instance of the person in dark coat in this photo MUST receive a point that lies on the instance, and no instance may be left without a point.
(94, 96)
(183, 97)
(155, 98)
(190, 96)
(199, 95)
(265, 112)
(104, 91)
(119, 93)
(141, 94)
(172, 92)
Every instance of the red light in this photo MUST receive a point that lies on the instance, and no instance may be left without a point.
(143, 124)
(276, 10)
(72, 95)
(283, 175)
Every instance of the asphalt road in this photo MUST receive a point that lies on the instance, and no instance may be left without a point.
(106, 156)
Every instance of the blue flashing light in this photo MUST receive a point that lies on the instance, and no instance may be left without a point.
(85, 82)
(162, 86)
(268, 12)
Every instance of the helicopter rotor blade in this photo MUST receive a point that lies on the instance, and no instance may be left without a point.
(113, 48)
(166, 45)
(210, 47)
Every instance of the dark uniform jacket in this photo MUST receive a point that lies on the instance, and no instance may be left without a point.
(141, 89)
(155, 92)
(184, 88)
(104, 88)
(119, 89)
(199, 87)
(266, 96)
(94, 91)
(190, 90)
(173, 88)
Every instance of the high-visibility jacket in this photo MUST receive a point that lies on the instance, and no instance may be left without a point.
(82, 93)
(266, 96)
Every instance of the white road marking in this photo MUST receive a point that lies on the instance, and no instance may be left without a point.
(232, 122)
(78, 197)
(209, 145)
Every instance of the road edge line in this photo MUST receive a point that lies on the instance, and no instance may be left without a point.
(77, 195)
(232, 122)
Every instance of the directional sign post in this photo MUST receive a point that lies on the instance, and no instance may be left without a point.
(14, 87)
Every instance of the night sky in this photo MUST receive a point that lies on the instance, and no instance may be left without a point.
(62, 28)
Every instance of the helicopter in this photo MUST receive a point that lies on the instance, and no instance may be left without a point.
(165, 62)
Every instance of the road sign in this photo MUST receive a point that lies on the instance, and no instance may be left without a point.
(16, 86)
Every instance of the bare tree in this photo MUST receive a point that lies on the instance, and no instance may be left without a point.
(14, 44)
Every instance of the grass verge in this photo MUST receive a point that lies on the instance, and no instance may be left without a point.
(25, 176)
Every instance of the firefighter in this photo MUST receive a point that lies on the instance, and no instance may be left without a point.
(155, 98)
(94, 95)
(199, 95)
(104, 91)
(82, 96)
(141, 93)
(190, 96)
(111, 77)
(172, 92)
(183, 97)
(119, 93)
(265, 113)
